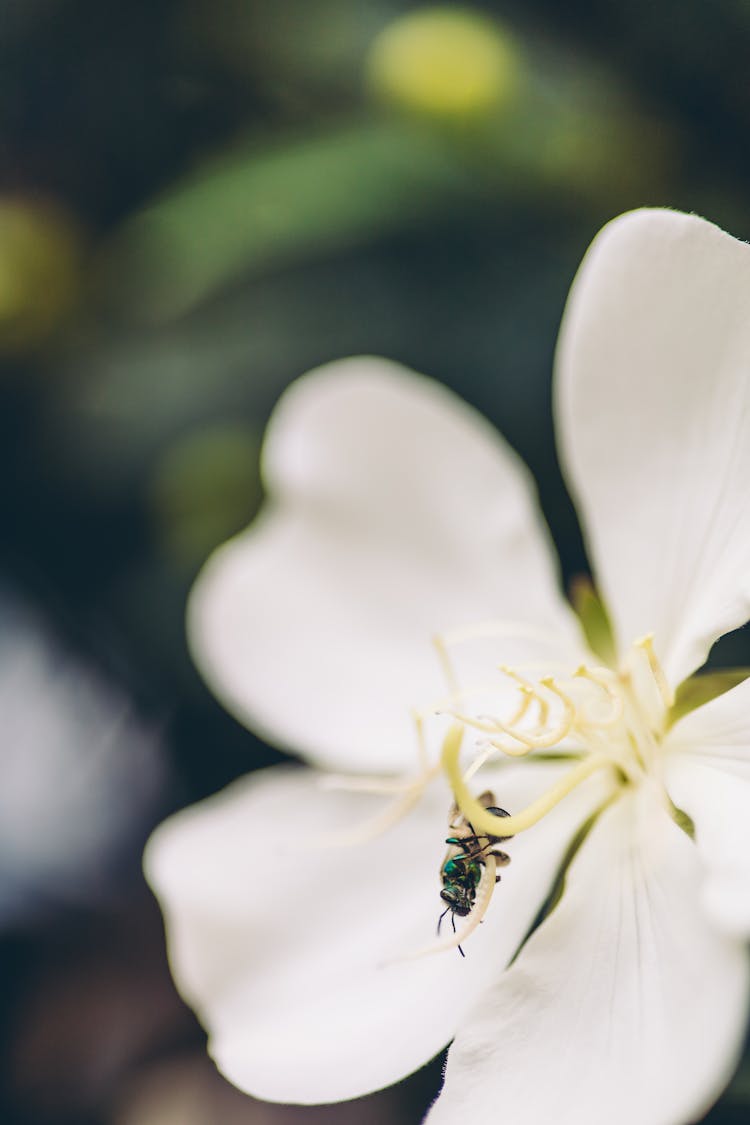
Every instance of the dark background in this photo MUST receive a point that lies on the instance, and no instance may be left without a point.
(200, 200)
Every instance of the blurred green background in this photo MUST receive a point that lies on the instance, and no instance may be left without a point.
(200, 200)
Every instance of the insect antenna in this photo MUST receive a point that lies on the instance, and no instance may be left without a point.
(453, 920)
(440, 919)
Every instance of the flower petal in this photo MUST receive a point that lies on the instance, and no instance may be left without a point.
(295, 955)
(708, 776)
(653, 407)
(395, 511)
(624, 1006)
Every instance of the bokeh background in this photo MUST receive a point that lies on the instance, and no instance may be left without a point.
(200, 200)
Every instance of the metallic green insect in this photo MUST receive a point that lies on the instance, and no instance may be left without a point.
(461, 870)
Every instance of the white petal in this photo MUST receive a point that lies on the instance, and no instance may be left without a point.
(395, 511)
(625, 1006)
(286, 949)
(708, 776)
(653, 408)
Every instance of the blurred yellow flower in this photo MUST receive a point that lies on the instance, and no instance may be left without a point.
(39, 271)
(446, 62)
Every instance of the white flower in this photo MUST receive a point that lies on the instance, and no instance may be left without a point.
(395, 513)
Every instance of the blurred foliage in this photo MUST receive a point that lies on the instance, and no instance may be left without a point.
(40, 272)
(199, 200)
(205, 488)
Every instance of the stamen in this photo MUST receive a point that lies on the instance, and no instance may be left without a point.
(568, 718)
(411, 789)
(530, 690)
(646, 645)
(539, 739)
(527, 696)
(495, 726)
(443, 705)
(449, 672)
(375, 826)
(364, 783)
(489, 629)
(536, 739)
(604, 679)
(485, 822)
(480, 760)
(379, 786)
(424, 757)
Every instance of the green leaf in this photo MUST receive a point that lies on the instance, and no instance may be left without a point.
(267, 205)
(594, 618)
(697, 690)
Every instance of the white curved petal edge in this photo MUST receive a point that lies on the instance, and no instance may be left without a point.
(394, 511)
(297, 956)
(653, 414)
(708, 776)
(625, 1005)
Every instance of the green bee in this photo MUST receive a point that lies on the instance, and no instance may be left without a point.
(461, 870)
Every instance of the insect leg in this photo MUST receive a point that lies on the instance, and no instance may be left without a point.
(473, 841)
(440, 919)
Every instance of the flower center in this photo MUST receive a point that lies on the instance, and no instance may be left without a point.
(599, 717)
(593, 716)
(593, 710)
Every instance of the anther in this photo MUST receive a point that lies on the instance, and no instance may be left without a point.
(646, 645)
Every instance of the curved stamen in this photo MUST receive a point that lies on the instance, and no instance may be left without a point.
(496, 727)
(539, 739)
(481, 760)
(567, 720)
(607, 681)
(444, 705)
(484, 821)
(646, 645)
(376, 825)
(490, 724)
(528, 687)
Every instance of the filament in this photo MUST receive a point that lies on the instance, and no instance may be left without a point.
(603, 678)
(375, 826)
(646, 645)
(484, 821)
